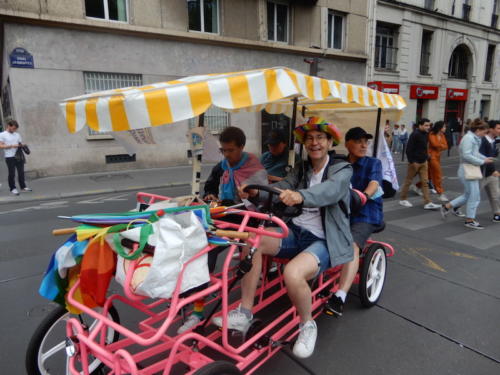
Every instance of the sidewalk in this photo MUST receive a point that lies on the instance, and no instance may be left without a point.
(101, 183)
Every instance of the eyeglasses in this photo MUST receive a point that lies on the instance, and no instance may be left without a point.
(319, 138)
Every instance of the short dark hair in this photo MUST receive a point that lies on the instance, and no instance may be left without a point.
(13, 123)
(438, 125)
(233, 134)
(423, 121)
(493, 123)
(478, 124)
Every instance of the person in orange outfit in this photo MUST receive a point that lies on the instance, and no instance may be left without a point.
(437, 144)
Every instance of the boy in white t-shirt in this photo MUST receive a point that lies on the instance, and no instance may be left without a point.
(10, 141)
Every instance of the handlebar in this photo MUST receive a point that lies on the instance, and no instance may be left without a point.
(266, 188)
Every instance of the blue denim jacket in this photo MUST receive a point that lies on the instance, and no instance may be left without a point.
(469, 149)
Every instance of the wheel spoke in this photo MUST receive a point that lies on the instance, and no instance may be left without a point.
(49, 353)
(369, 283)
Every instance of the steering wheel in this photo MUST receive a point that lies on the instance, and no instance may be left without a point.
(279, 208)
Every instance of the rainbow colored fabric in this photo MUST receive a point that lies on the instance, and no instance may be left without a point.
(318, 124)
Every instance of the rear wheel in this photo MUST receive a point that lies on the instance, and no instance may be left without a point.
(46, 353)
(372, 275)
(218, 368)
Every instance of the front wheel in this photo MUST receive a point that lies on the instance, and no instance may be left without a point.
(46, 354)
(372, 275)
(218, 368)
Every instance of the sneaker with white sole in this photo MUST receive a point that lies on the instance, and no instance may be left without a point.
(27, 189)
(15, 191)
(443, 198)
(457, 212)
(444, 211)
(496, 218)
(192, 321)
(235, 320)
(433, 191)
(432, 206)
(473, 224)
(416, 190)
(304, 346)
(405, 203)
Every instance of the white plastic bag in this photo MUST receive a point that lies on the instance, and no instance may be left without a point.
(177, 238)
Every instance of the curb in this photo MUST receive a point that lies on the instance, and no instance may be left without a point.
(35, 198)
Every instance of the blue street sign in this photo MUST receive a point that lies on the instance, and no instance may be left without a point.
(20, 58)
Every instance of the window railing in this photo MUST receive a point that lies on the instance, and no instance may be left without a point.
(385, 57)
(494, 20)
(466, 12)
(425, 58)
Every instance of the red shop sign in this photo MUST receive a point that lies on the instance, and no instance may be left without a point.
(424, 92)
(457, 94)
(388, 88)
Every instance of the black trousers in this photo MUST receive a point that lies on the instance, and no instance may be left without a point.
(12, 165)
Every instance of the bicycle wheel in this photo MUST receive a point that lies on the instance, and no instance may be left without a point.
(46, 352)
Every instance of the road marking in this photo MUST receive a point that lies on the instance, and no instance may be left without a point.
(462, 255)
(102, 199)
(41, 206)
(426, 261)
(480, 239)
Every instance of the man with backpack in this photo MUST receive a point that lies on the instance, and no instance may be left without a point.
(367, 178)
(319, 238)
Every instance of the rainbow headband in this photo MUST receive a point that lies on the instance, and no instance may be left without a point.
(318, 124)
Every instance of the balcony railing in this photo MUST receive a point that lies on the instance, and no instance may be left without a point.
(466, 12)
(494, 20)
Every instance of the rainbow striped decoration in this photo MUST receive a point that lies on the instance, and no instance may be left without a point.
(319, 124)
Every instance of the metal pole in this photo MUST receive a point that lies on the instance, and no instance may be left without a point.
(291, 151)
(195, 184)
(377, 133)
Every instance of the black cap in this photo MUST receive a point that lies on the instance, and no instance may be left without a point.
(276, 136)
(357, 133)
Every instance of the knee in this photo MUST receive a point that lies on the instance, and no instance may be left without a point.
(292, 275)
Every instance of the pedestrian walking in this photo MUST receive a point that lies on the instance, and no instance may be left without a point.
(396, 143)
(469, 157)
(12, 144)
(417, 154)
(437, 144)
(491, 172)
(403, 137)
(388, 134)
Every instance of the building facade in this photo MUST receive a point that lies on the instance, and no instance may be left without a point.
(442, 56)
(54, 50)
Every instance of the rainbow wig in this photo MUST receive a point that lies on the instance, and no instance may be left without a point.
(318, 124)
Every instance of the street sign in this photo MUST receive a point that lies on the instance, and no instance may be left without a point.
(456, 94)
(20, 58)
(424, 92)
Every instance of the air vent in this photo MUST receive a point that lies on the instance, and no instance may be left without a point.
(120, 158)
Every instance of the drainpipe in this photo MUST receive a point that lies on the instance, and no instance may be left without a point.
(370, 39)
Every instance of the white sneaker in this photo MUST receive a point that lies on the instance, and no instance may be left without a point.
(473, 225)
(27, 189)
(406, 203)
(416, 190)
(443, 198)
(304, 346)
(432, 206)
(235, 320)
(14, 191)
(433, 191)
(192, 321)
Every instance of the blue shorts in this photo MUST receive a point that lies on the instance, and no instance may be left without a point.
(299, 240)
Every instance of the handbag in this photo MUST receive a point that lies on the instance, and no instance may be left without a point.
(472, 172)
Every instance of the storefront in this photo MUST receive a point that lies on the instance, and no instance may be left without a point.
(423, 94)
(388, 88)
(455, 105)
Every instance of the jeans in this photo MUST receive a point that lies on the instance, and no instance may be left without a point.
(396, 144)
(12, 165)
(455, 136)
(471, 195)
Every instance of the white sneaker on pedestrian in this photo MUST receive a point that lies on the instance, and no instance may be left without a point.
(192, 321)
(235, 320)
(27, 189)
(433, 191)
(304, 346)
(443, 198)
(14, 191)
(416, 190)
(405, 203)
(432, 206)
(473, 224)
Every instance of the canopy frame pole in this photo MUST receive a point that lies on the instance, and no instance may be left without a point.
(291, 138)
(197, 159)
(377, 133)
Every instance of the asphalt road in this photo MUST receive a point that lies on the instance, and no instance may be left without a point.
(439, 312)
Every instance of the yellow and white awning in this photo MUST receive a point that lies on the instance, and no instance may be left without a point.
(167, 102)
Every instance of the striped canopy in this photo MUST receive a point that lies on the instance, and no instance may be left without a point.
(271, 89)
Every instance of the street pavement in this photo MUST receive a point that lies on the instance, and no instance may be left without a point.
(438, 314)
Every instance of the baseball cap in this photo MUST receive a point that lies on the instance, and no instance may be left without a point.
(276, 136)
(357, 133)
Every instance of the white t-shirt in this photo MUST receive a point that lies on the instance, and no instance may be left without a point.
(10, 139)
(310, 218)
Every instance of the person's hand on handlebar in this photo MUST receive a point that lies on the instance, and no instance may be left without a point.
(210, 197)
(290, 197)
(246, 194)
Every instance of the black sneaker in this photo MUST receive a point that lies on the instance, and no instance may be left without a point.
(457, 212)
(473, 225)
(334, 306)
(496, 219)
